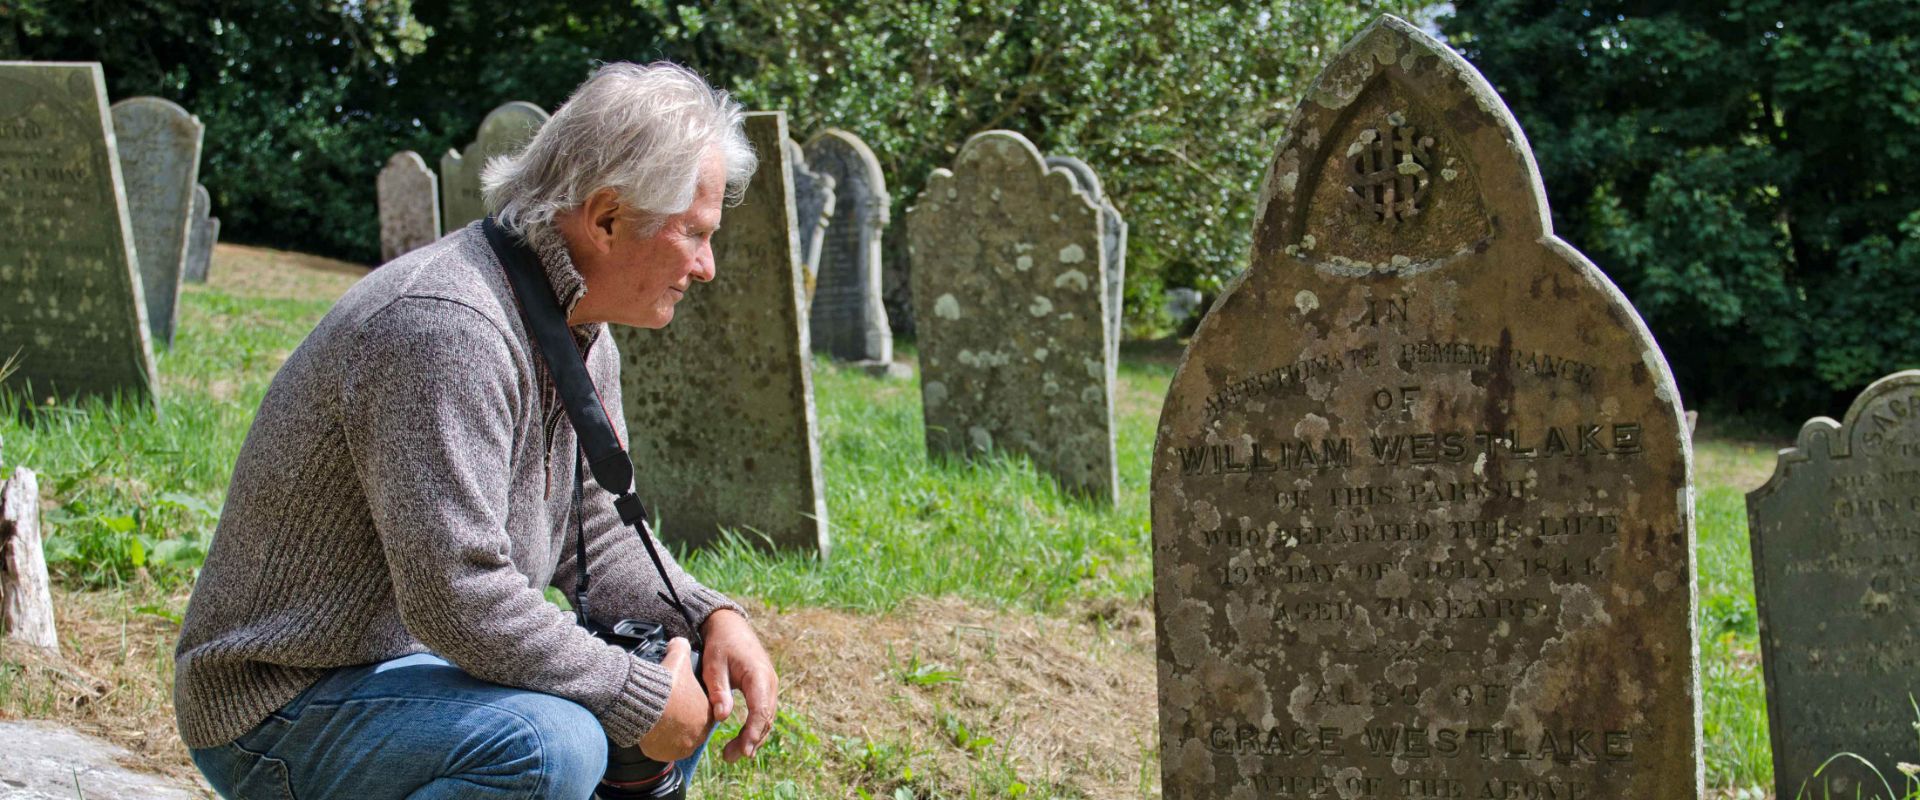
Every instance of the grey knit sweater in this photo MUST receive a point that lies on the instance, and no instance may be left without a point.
(408, 486)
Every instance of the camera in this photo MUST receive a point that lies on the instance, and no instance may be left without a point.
(630, 774)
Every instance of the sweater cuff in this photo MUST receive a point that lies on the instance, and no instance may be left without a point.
(641, 701)
(702, 602)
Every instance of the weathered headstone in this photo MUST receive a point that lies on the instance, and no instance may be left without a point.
(409, 200)
(1422, 520)
(846, 317)
(160, 161)
(26, 597)
(813, 207)
(1836, 573)
(72, 316)
(719, 403)
(505, 132)
(200, 237)
(1113, 231)
(46, 761)
(1012, 314)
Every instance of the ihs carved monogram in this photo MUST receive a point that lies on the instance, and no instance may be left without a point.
(1390, 171)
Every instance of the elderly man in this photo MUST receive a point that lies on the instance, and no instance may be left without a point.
(371, 621)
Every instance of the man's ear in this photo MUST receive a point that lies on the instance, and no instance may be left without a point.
(601, 212)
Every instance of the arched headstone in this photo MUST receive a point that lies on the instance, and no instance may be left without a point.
(1012, 315)
(1422, 499)
(159, 146)
(846, 318)
(813, 207)
(1113, 231)
(505, 132)
(1835, 546)
(200, 236)
(719, 403)
(409, 205)
(73, 319)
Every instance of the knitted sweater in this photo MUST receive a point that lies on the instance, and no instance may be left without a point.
(408, 486)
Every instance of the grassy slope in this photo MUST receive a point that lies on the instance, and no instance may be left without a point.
(953, 590)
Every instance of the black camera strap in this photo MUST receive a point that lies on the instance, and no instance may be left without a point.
(599, 447)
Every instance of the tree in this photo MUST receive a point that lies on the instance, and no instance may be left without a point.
(1738, 167)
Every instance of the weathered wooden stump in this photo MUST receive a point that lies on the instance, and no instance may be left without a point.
(26, 603)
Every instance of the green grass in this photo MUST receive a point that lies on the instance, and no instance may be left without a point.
(135, 498)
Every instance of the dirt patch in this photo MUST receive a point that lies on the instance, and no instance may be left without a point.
(1066, 700)
(114, 677)
(262, 272)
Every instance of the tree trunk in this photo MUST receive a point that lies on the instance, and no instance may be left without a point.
(26, 602)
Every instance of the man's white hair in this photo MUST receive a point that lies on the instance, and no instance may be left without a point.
(642, 131)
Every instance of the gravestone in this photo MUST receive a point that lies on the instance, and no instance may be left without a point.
(160, 161)
(719, 403)
(201, 233)
(505, 132)
(1421, 509)
(813, 207)
(72, 315)
(846, 317)
(1836, 574)
(47, 761)
(409, 205)
(1113, 231)
(1014, 351)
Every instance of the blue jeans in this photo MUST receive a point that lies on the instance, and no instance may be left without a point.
(416, 728)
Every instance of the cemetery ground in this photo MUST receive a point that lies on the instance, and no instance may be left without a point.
(975, 631)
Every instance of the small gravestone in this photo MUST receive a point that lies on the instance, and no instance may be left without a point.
(847, 319)
(1113, 231)
(409, 205)
(813, 207)
(1836, 573)
(1014, 350)
(72, 316)
(201, 235)
(719, 403)
(1421, 497)
(505, 132)
(160, 160)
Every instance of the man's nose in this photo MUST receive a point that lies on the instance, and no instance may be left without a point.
(703, 266)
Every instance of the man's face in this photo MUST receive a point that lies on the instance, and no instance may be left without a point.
(635, 280)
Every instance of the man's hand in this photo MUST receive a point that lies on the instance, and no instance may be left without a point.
(684, 723)
(734, 658)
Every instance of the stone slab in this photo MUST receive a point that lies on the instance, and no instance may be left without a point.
(160, 161)
(45, 761)
(1113, 231)
(1421, 509)
(409, 205)
(1835, 550)
(847, 319)
(72, 311)
(200, 237)
(1011, 311)
(719, 403)
(505, 132)
(813, 208)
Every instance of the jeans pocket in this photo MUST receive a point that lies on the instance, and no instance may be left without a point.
(241, 774)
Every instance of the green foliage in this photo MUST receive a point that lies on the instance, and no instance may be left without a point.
(1736, 165)
(1175, 104)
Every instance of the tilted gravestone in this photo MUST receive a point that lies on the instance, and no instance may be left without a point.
(1421, 509)
(813, 208)
(202, 231)
(505, 132)
(846, 317)
(1836, 573)
(72, 316)
(1113, 231)
(719, 403)
(409, 205)
(1012, 314)
(160, 162)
